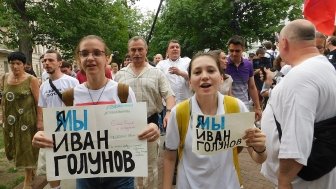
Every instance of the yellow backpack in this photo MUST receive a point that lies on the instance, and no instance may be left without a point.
(183, 116)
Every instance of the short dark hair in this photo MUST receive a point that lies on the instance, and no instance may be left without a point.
(17, 56)
(236, 40)
(252, 55)
(173, 41)
(137, 38)
(332, 40)
(267, 44)
(66, 64)
(127, 56)
(58, 55)
(260, 51)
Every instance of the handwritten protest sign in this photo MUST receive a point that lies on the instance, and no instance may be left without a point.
(96, 141)
(212, 134)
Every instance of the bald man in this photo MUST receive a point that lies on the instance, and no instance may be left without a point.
(306, 95)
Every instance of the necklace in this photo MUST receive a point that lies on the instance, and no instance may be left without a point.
(95, 103)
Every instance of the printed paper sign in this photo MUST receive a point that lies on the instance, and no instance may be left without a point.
(96, 141)
(212, 134)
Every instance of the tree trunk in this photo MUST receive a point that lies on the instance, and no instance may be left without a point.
(24, 29)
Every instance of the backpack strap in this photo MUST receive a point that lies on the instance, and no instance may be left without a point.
(55, 89)
(182, 118)
(68, 97)
(123, 92)
(278, 127)
(231, 106)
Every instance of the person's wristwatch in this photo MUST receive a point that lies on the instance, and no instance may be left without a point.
(168, 110)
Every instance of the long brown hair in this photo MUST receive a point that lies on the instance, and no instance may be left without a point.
(216, 54)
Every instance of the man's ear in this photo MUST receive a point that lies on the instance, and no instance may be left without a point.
(285, 44)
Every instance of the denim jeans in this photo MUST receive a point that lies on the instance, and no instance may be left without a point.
(105, 183)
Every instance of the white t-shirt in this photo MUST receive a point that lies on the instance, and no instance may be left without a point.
(268, 53)
(285, 69)
(226, 85)
(105, 95)
(306, 95)
(178, 84)
(48, 97)
(44, 76)
(202, 171)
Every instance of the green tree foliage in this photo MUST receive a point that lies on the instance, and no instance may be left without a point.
(140, 22)
(61, 23)
(200, 24)
(16, 26)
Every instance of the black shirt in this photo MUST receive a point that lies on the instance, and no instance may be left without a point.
(332, 57)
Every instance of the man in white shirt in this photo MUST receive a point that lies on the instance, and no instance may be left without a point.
(48, 97)
(175, 68)
(305, 96)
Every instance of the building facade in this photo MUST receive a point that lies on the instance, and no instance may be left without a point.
(38, 50)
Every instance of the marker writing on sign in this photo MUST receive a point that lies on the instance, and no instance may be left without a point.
(70, 121)
(96, 162)
(211, 135)
(74, 142)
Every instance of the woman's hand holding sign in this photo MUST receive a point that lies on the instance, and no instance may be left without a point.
(41, 141)
(255, 140)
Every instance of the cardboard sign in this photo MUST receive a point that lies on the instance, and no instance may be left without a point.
(212, 134)
(96, 141)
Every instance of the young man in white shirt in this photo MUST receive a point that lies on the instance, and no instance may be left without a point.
(48, 97)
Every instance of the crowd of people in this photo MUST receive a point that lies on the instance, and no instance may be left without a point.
(290, 86)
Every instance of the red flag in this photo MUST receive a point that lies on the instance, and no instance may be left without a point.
(322, 14)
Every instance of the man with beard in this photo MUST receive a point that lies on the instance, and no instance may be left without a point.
(48, 97)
